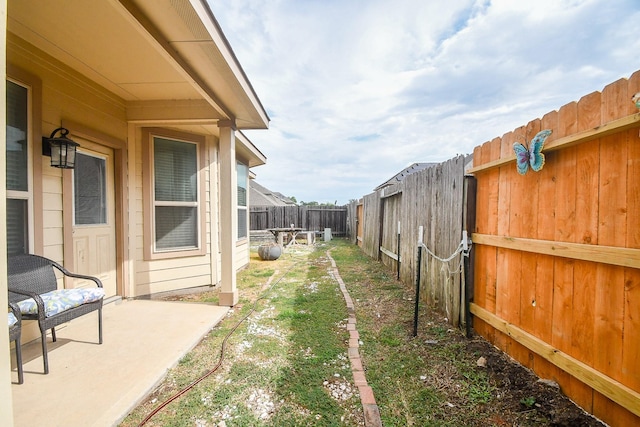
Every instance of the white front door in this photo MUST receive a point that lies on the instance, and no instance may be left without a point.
(94, 230)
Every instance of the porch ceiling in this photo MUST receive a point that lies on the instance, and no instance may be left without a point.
(144, 51)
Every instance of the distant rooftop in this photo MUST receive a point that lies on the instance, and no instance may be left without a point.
(262, 196)
(400, 176)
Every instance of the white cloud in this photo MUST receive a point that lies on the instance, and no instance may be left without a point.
(359, 89)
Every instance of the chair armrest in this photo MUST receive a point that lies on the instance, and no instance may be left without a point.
(16, 311)
(66, 272)
(36, 298)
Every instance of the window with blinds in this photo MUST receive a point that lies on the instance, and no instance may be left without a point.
(242, 172)
(17, 171)
(175, 194)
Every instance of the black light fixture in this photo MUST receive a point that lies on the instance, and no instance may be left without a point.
(61, 149)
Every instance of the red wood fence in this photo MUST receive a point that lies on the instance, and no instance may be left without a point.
(557, 252)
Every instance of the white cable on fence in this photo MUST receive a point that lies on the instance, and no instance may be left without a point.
(459, 249)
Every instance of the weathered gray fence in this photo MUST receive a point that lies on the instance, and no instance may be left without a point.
(432, 199)
(312, 218)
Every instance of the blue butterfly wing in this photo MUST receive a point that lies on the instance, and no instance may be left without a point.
(536, 158)
(522, 158)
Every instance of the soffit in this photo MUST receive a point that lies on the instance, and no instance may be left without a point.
(143, 50)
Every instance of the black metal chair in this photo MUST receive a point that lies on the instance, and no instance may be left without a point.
(31, 276)
(14, 335)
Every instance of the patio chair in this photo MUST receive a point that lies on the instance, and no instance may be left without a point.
(15, 328)
(34, 288)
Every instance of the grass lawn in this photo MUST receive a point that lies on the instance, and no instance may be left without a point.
(287, 362)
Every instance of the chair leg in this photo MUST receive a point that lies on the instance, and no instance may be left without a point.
(44, 352)
(53, 335)
(100, 325)
(19, 361)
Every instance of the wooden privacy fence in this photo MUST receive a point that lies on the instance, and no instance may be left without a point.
(433, 199)
(312, 218)
(557, 252)
(556, 271)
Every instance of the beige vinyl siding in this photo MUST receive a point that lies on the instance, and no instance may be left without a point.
(52, 212)
(242, 254)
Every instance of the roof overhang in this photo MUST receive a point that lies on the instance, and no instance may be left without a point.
(150, 53)
(249, 152)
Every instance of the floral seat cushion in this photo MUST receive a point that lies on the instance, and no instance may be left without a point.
(57, 301)
(12, 319)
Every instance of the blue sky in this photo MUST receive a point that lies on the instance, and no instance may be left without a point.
(359, 89)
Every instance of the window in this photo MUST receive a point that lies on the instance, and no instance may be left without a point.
(174, 194)
(90, 190)
(175, 165)
(18, 185)
(242, 177)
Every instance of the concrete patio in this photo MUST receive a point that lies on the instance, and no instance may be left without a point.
(98, 385)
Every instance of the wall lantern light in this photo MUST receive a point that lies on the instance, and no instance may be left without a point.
(61, 149)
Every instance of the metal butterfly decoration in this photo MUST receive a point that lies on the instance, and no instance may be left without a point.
(531, 157)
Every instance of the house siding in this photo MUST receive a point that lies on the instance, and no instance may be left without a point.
(242, 254)
(68, 96)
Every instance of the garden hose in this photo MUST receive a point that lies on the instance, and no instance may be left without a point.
(222, 351)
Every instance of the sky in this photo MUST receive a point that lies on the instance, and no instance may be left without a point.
(357, 90)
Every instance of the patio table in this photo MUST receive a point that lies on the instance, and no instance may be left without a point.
(279, 233)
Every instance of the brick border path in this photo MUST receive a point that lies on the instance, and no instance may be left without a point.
(369, 406)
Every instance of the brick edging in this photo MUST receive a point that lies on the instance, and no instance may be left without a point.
(369, 406)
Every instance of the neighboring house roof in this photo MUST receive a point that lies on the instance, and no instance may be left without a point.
(262, 196)
(403, 174)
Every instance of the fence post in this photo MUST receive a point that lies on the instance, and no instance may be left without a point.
(398, 252)
(415, 315)
(469, 225)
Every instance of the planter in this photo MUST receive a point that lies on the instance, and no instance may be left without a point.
(269, 252)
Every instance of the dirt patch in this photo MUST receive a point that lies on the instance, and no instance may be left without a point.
(521, 397)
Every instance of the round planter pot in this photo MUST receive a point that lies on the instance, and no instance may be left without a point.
(269, 252)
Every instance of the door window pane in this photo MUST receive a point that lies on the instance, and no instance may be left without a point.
(89, 189)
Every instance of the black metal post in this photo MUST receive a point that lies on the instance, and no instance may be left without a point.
(415, 315)
(398, 253)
